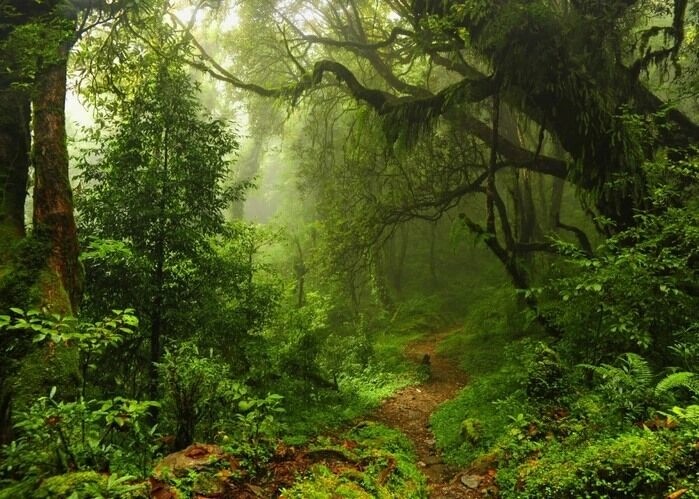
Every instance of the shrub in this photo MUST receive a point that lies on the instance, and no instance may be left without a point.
(633, 464)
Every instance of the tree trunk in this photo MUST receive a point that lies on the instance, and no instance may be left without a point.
(53, 200)
(300, 272)
(15, 143)
(156, 328)
(556, 202)
(433, 252)
(377, 278)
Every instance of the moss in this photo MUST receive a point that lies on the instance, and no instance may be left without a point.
(61, 486)
(24, 260)
(26, 371)
(387, 468)
(324, 484)
(48, 291)
(51, 365)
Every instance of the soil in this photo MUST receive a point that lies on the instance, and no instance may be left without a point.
(409, 411)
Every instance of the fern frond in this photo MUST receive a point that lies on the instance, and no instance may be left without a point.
(683, 379)
(638, 368)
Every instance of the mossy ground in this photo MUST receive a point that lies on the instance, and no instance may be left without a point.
(379, 462)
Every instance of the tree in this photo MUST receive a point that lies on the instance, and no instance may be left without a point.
(157, 187)
(36, 38)
(561, 89)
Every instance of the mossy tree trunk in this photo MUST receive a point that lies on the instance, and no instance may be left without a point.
(53, 199)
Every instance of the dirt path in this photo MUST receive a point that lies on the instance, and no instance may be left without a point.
(409, 410)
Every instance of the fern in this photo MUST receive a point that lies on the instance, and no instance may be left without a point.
(627, 386)
(686, 415)
(683, 379)
(633, 372)
(638, 368)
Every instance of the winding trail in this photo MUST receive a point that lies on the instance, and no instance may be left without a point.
(409, 410)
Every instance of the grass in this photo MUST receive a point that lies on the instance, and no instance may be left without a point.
(487, 350)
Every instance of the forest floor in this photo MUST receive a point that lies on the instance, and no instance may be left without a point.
(409, 411)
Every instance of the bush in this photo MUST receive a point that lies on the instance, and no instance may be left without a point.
(57, 437)
(545, 375)
(633, 464)
(198, 394)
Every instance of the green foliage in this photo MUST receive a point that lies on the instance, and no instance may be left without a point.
(364, 357)
(627, 386)
(486, 350)
(633, 464)
(679, 380)
(202, 400)
(387, 467)
(90, 339)
(154, 190)
(57, 436)
(91, 485)
(117, 487)
(198, 391)
(606, 431)
(545, 376)
(638, 294)
(257, 429)
(32, 44)
(145, 181)
(471, 431)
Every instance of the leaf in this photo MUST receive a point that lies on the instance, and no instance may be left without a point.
(52, 392)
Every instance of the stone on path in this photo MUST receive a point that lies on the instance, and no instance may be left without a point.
(471, 481)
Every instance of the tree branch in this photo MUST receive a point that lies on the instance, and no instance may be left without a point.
(331, 42)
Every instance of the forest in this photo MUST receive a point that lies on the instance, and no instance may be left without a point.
(349, 249)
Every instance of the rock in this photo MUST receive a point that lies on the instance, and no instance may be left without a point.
(196, 456)
(213, 468)
(471, 481)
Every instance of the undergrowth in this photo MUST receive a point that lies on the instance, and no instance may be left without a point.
(362, 387)
(376, 462)
(552, 429)
(468, 425)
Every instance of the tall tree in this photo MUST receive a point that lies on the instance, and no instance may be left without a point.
(158, 188)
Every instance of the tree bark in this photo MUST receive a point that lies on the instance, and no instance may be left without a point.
(15, 112)
(53, 199)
